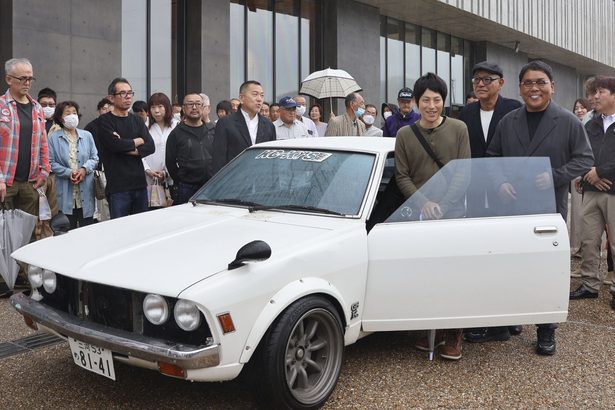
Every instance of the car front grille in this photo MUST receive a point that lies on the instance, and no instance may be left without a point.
(119, 309)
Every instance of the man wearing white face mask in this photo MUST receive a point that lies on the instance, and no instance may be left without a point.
(368, 119)
(47, 99)
(309, 124)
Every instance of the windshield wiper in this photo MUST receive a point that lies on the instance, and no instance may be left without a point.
(227, 201)
(253, 206)
(292, 207)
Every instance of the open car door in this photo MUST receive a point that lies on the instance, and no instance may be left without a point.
(503, 262)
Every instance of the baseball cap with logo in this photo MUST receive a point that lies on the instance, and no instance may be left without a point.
(404, 94)
(287, 102)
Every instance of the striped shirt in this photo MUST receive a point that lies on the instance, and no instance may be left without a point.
(9, 140)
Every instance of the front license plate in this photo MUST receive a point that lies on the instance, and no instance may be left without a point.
(92, 358)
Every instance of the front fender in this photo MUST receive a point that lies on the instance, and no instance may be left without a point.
(284, 298)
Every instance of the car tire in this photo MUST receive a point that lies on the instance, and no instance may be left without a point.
(300, 356)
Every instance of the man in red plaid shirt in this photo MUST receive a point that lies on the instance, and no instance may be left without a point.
(24, 159)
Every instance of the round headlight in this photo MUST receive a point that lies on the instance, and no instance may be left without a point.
(187, 315)
(49, 281)
(156, 309)
(35, 276)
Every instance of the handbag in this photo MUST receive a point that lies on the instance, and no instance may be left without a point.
(157, 193)
(100, 184)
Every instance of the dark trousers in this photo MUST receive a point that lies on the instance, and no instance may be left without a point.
(77, 220)
(127, 203)
(185, 192)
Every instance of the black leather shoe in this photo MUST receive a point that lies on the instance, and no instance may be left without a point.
(582, 293)
(489, 334)
(613, 303)
(515, 330)
(546, 341)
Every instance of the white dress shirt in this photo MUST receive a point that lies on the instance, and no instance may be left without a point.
(607, 120)
(252, 125)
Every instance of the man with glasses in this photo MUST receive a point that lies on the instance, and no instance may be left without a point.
(124, 140)
(24, 158)
(47, 99)
(540, 128)
(243, 128)
(189, 151)
(481, 118)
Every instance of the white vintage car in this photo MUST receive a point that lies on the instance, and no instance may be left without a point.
(292, 251)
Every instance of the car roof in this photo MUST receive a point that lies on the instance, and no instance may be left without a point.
(361, 144)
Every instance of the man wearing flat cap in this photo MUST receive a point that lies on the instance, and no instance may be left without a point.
(482, 117)
(405, 115)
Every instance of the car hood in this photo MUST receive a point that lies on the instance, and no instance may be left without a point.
(168, 250)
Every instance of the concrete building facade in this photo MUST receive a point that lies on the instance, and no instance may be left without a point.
(176, 46)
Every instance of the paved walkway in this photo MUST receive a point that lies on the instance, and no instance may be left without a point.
(381, 371)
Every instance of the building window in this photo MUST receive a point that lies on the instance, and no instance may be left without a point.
(274, 43)
(443, 62)
(147, 46)
(457, 70)
(408, 51)
(413, 54)
(395, 56)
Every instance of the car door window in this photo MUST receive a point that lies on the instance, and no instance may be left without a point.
(471, 188)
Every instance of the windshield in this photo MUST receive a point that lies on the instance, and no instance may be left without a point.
(483, 187)
(310, 180)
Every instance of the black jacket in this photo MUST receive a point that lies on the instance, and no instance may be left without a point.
(470, 114)
(232, 137)
(603, 145)
(188, 155)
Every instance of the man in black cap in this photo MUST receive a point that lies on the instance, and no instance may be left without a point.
(405, 115)
(482, 117)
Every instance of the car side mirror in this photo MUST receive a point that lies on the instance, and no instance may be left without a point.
(254, 251)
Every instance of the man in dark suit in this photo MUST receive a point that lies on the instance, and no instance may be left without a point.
(481, 118)
(541, 128)
(243, 128)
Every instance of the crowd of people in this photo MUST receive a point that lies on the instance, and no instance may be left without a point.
(134, 150)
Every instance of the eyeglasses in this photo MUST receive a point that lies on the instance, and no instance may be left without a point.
(22, 80)
(194, 104)
(485, 80)
(125, 94)
(538, 83)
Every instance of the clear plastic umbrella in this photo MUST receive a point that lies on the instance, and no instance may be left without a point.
(17, 227)
(329, 83)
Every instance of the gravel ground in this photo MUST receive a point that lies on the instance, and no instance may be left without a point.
(380, 371)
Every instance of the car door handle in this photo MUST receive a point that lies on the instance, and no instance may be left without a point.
(545, 229)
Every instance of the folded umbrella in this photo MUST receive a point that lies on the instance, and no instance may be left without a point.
(17, 227)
